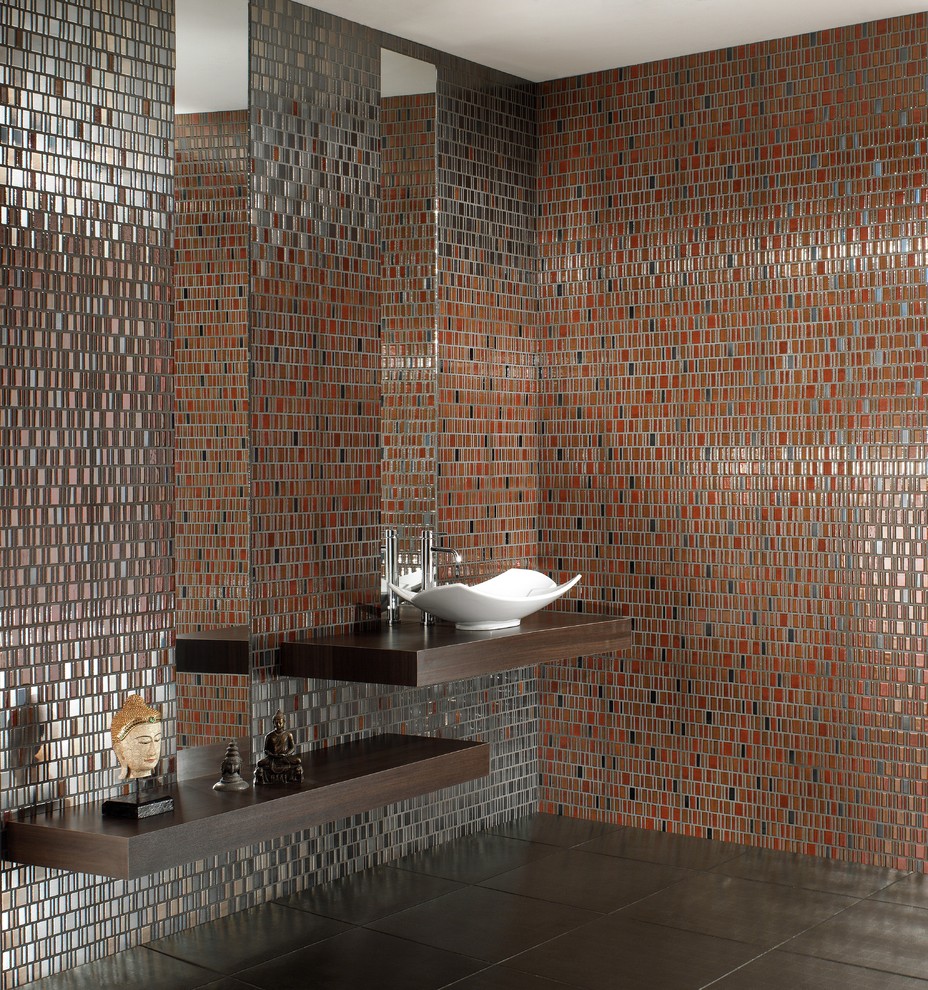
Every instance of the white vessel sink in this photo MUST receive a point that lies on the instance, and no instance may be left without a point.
(501, 602)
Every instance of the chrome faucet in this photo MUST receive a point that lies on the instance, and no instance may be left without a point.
(391, 574)
(428, 550)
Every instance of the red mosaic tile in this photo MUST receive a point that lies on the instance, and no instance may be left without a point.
(733, 286)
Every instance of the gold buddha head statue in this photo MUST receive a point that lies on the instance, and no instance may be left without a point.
(136, 733)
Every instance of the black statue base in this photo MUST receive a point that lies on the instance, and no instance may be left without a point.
(128, 807)
(146, 798)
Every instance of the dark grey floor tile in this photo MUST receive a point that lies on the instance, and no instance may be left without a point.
(876, 934)
(498, 978)
(813, 872)
(370, 895)
(229, 983)
(777, 970)
(553, 830)
(618, 952)
(474, 857)
(488, 924)
(912, 889)
(587, 880)
(363, 958)
(684, 851)
(139, 967)
(230, 944)
(762, 914)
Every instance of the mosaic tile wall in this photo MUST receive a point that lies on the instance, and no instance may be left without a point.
(315, 347)
(212, 451)
(105, 333)
(337, 564)
(211, 269)
(316, 329)
(488, 440)
(85, 427)
(409, 313)
(733, 282)
(212, 708)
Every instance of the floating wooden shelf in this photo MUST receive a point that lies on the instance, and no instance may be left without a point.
(340, 781)
(213, 651)
(413, 655)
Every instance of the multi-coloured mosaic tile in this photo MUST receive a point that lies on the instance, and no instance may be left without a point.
(488, 436)
(318, 524)
(733, 250)
(212, 708)
(409, 312)
(98, 326)
(699, 382)
(86, 403)
(315, 323)
(212, 443)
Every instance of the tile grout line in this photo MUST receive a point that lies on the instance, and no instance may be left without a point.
(500, 962)
(574, 930)
(773, 948)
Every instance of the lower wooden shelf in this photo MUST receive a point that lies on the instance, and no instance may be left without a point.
(337, 782)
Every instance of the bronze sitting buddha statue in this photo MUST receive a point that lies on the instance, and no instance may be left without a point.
(280, 764)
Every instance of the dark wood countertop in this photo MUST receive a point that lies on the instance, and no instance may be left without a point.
(338, 782)
(412, 655)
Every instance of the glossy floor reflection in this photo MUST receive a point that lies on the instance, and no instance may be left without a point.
(552, 902)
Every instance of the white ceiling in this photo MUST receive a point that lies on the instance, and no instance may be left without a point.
(550, 39)
(534, 39)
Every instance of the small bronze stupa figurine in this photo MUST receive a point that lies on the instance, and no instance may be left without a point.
(231, 768)
(280, 763)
